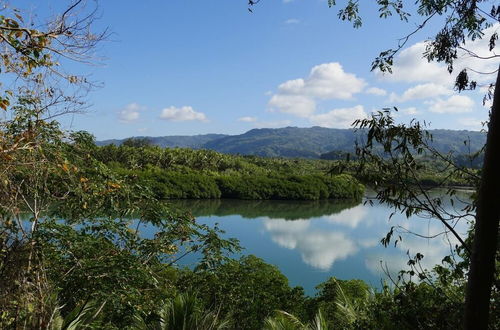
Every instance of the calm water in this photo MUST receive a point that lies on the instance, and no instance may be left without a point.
(312, 241)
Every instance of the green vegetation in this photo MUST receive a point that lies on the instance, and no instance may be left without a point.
(310, 142)
(203, 174)
(250, 294)
(71, 256)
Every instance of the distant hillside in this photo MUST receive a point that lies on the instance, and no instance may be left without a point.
(302, 142)
(286, 142)
(181, 141)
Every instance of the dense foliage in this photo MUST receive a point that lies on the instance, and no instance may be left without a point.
(203, 174)
(69, 232)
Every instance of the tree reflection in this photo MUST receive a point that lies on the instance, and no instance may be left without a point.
(288, 210)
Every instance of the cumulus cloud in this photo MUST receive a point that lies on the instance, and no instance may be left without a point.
(292, 21)
(185, 113)
(330, 81)
(339, 118)
(326, 81)
(376, 91)
(248, 119)
(453, 104)
(411, 66)
(409, 111)
(422, 91)
(486, 63)
(297, 105)
(130, 113)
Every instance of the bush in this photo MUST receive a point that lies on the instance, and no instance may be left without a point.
(249, 290)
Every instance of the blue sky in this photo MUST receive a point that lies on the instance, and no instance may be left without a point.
(184, 67)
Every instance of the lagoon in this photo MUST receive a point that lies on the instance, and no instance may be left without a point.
(310, 241)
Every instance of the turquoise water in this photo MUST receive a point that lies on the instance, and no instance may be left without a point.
(312, 241)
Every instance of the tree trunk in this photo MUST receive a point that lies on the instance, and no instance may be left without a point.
(482, 259)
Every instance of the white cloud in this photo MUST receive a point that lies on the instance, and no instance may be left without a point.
(488, 103)
(479, 47)
(292, 21)
(297, 105)
(325, 81)
(319, 249)
(376, 91)
(471, 123)
(433, 250)
(130, 113)
(248, 119)
(422, 91)
(350, 217)
(330, 81)
(294, 86)
(185, 113)
(411, 66)
(285, 232)
(453, 104)
(339, 118)
(409, 111)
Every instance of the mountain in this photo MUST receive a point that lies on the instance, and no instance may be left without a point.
(286, 142)
(303, 142)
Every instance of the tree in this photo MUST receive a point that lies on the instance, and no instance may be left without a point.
(137, 142)
(69, 226)
(34, 90)
(462, 20)
(248, 290)
(485, 243)
(467, 20)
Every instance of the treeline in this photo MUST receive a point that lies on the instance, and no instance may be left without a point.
(284, 209)
(448, 171)
(202, 174)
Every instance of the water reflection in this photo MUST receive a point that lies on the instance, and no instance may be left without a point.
(289, 210)
(434, 249)
(311, 241)
(319, 249)
(351, 217)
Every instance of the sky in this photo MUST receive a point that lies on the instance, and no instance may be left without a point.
(185, 67)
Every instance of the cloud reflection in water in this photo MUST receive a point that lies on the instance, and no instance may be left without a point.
(319, 249)
(323, 241)
(351, 217)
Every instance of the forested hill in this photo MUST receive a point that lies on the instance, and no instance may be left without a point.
(181, 141)
(302, 142)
